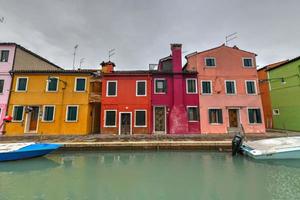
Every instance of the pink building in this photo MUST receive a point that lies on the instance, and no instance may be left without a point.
(14, 56)
(228, 86)
(174, 96)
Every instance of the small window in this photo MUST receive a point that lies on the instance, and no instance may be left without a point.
(1, 86)
(251, 89)
(276, 112)
(210, 62)
(160, 86)
(140, 118)
(247, 62)
(206, 87)
(4, 56)
(48, 115)
(21, 84)
(18, 113)
(52, 84)
(72, 113)
(230, 87)
(191, 85)
(80, 84)
(111, 88)
(193, 113)
(254, 116)
(215, 116)
(110, 118)
(140, 88)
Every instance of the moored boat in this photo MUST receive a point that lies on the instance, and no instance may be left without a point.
(19, 151)
(273, 148)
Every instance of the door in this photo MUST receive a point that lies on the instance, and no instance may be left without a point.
(33, 121)
(233, 117)
(159, 119)
(96, 111)
(125, 123)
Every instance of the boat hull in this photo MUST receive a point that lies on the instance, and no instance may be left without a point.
(30, 151)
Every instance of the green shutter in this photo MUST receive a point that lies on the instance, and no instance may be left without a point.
(72, 113)
(22, 82)
(1, 86)
(52, 84)
(80, 84)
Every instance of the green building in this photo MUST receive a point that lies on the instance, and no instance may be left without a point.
(284, 82)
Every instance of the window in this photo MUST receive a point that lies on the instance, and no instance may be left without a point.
(1, 86)
(72, 113)
(48, 115)
(206, 87)
(18, 113)
(4, 56)
(210, 62)
(247, 62)
(215, 116)
(250, 87)
(111, 89)
(140, 118)
(21, 84)
(276, 112)
(140, 88)
(254, 116)
(110, 118)
(80, 84)
(191, 86)
(230, 87)
(160, 86)
(52, 84)
(193, 113)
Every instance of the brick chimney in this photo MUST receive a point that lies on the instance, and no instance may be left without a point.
(176, 57)
(107, 67)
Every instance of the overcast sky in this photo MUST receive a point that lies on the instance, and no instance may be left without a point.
(141, 30)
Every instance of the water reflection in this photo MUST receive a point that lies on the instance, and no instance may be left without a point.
(291, 163)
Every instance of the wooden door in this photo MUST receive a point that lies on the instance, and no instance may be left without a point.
(125, 123)
(34, 115)
(159, 120)
(233, 117)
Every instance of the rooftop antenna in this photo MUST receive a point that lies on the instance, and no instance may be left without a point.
(230, 37)
(74, 54)
(81, 61)
(1, 19)
(111, 52)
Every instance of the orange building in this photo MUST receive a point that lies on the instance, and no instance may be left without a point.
(126, 101)
(265, 92)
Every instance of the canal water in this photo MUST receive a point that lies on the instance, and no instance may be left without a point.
(148, 175)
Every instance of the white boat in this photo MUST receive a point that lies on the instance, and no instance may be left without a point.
(274, 148)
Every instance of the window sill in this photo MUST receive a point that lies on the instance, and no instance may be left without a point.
(140, 95)
(71, 121)
(192, 93)
(140, 126)
(194, 121)
(80, 91)
(255, 124)
(216, 124)
(110, 126)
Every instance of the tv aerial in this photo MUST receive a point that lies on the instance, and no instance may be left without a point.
(1, 19)
(111, 52)
(230, 37)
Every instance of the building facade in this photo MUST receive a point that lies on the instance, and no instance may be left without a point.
(175, 102)
(126, 101)
(229, 94)
(284, 83)
(53, 102)
(14, 56)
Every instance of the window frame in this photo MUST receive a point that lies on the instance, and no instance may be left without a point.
(3, 86)
(85, 84)
(198, 114)
(67, 109)
(107, 84)
(13, 111)
(159, 79)
(235, 89)
(7, 56)
(17, 84)
(140, 126)
(187, 85)
(213, 66)
(211, 92)
(57, 84)
(243, 61)
(136, 88)
(215, 108)
(246, 81)
(105, 113)
(261, 116)
(44, 108)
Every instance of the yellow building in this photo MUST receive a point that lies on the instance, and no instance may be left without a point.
(54, 102)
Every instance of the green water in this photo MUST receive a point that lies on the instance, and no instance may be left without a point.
(148, 175)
